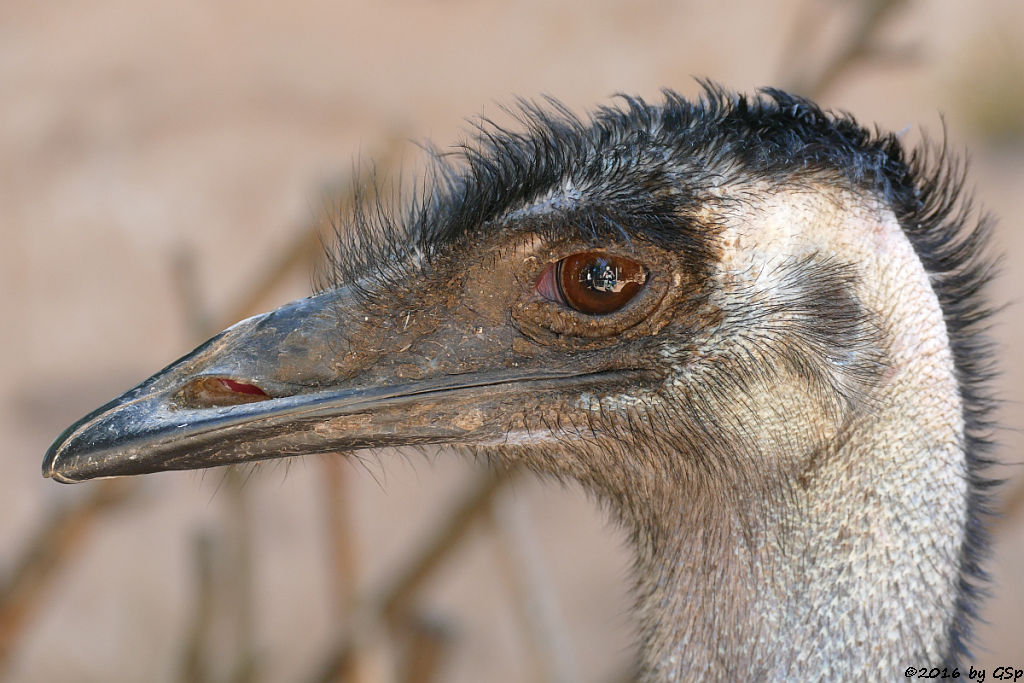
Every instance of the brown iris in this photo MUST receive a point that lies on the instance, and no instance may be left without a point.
(592, 282)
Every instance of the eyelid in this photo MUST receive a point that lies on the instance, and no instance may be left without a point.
(547, 284)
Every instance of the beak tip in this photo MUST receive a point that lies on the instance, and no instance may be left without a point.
(51, 466)
(59, 464)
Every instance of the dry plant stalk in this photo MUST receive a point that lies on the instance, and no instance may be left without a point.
(522, 568)
(374, 617)
(56, 543)
(859, 45)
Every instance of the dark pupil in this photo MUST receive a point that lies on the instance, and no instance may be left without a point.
(600, 276)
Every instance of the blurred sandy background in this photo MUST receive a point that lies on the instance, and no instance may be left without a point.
(147, 144)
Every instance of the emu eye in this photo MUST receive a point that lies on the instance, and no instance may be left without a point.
(592, 282)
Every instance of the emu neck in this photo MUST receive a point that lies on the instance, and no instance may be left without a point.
(844, 559)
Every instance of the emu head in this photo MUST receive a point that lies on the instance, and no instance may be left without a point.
(729, 319)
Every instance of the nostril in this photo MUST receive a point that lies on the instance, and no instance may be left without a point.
(211, 392)
(242, 387)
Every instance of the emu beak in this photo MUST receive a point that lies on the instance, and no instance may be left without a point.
(271, 386)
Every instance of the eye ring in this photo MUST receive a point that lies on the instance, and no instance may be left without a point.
(545, 314)
(592, 282)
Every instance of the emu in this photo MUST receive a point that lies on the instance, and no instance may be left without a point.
(750, 326)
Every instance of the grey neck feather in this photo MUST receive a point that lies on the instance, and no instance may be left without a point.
(812, 536)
